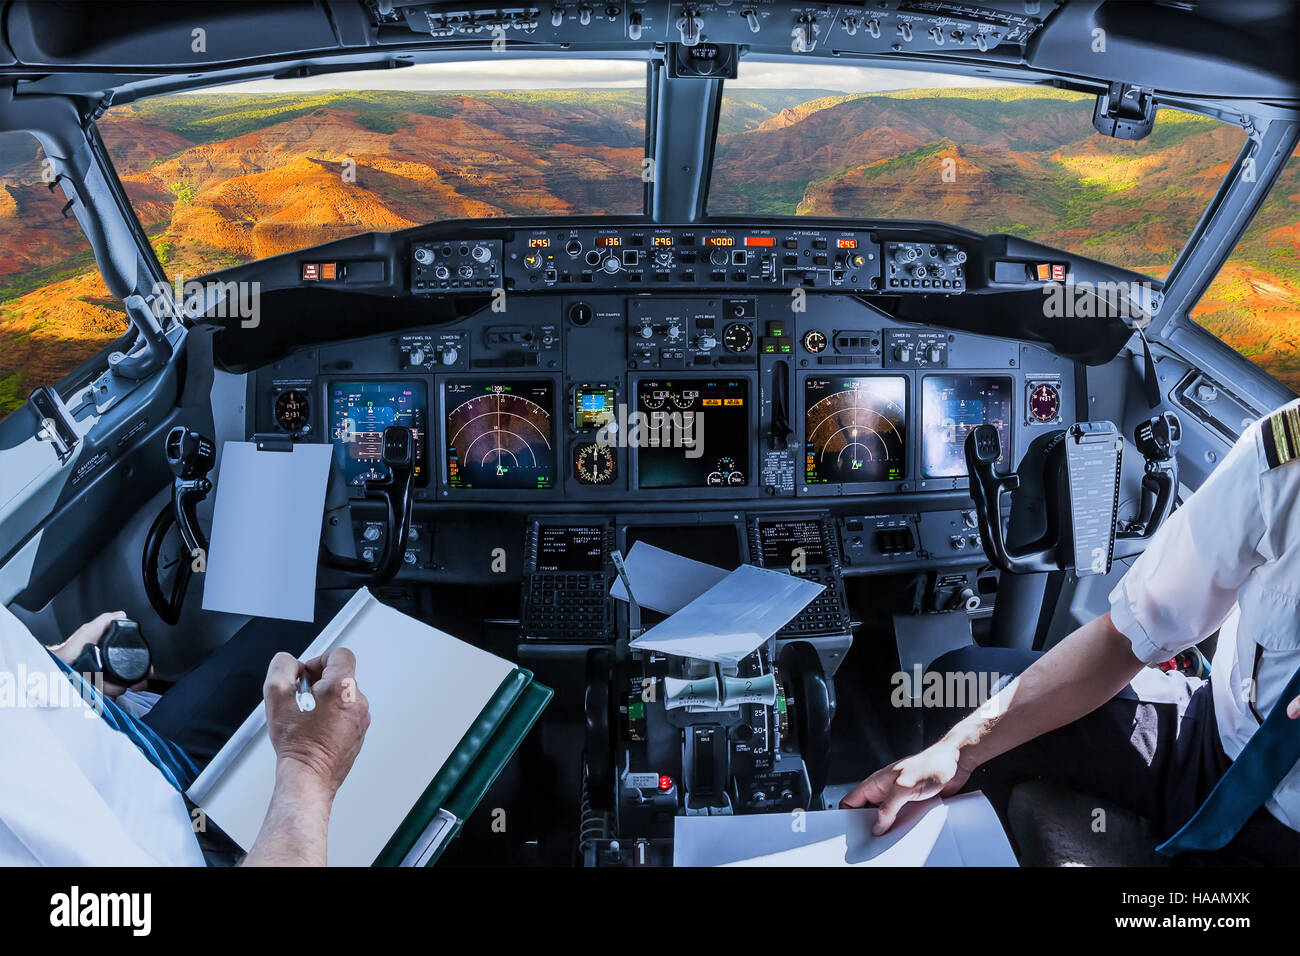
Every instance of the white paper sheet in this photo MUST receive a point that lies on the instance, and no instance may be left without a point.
(425, 689)
(732, 618)
(663, 581)
(266, 527)
(962, 831)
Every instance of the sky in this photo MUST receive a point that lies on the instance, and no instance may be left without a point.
(586, 74)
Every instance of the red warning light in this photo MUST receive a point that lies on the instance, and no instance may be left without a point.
(665, 782)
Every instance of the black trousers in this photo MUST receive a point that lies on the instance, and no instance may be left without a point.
(1153, 749)
(205, 707)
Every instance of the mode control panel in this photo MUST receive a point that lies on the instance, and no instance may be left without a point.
(667, 256)
(640, 257)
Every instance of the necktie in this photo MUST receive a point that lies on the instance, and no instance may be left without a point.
(1267, 757)
(172, 762)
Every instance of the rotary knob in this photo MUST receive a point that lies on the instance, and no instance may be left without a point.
(903, 353)
(718, 257)
(423, 255)
(449, 355)
(416, 356)
(647, 332)
(442, 272)
(371, 533)
(481, 254)
(707, 342)
(410, 558)
(611, 264)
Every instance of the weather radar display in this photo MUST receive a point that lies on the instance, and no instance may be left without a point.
(855, 429)
(499, 434)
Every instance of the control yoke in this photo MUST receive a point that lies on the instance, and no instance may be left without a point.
(1080, 490)
(399, 455)
(190, 456)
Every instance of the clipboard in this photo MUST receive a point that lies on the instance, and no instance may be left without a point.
(446, 718)
(266, 528)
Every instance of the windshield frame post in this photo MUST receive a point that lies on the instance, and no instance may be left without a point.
(1225, 220)
(683, 128)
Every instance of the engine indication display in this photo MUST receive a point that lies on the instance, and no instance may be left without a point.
(855, 429)
(951, 405)
(692, 433)
(359, 413)
(499, 435)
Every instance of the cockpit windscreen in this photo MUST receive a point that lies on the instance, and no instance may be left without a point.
(951, 405)
(359, 413)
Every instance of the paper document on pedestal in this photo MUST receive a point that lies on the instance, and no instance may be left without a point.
(956, 831)
(732, 618)
(663, 581)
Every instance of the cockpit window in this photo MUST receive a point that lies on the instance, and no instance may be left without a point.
(242, 172)
(992, 157)
(55, 311)
(1253, 304)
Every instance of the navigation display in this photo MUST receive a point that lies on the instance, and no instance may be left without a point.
(855, 429)
(359, 413)
(570, 549)
(691, 433)
(951, 405)
(499, 434)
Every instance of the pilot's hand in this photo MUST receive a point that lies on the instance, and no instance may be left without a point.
(325, 741)
(1293, 709)
(933, 771)
(92, 632)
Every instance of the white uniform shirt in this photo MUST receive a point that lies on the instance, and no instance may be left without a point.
(74, 791)
(1230, 559)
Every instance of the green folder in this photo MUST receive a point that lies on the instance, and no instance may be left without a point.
(467, 774)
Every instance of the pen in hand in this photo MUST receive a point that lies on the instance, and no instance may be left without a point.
(306, 702)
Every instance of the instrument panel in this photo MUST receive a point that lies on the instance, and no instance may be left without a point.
(653, 399)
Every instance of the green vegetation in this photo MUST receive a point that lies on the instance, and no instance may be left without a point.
(12, 393)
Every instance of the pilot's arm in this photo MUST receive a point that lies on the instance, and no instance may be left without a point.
(314, 752)
(92, 632)
(1177, 593)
